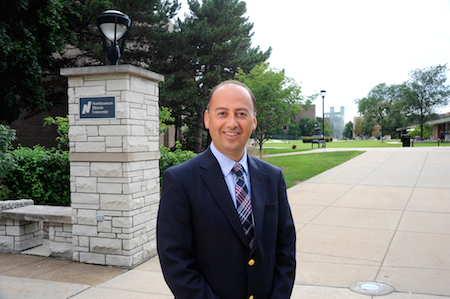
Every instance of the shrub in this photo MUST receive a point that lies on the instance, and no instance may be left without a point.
(41, 175)
(171, 158)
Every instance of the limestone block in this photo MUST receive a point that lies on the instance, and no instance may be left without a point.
(122, 110)
(103, 245)
(75, 81)
(151, 128)
(92, 131)
(138, 202)
(149, 249)
(119, 84)
(84, 230)
(74, 109)
(138, 131)
(119, 260)
(92, 258)
(126, 222)
(105, 227)
(142, 85)
(32, 227)
(83, 241)
(20, 245)
(138, 113)
(135, 242)
(78, 133)
(61, 249)
(109, 188)
(86, 184)
(113, 141)
(114, 130)
(133, 166)
(135, 144)
(132, 188)
(90, 147)
(131, 96)
(116, 202)
(15, 230)
(87, 91)
(106, 169)
(79, 169)
(6, 243)
(141, 218)
(87, 217)
(85, 198)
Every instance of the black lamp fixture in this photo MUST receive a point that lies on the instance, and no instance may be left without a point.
(323, 93)
(114, 26)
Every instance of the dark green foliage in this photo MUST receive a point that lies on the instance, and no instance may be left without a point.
(41, 175)
(30, 31)
(171, 158)
(7, 163)
(348, 130)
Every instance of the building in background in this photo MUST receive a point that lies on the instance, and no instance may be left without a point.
(336, 121)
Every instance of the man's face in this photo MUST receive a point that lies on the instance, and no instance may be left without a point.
(230, 119)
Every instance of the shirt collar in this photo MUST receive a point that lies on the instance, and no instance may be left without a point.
(226, 164)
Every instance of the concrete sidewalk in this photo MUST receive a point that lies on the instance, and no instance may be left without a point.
(382, 217)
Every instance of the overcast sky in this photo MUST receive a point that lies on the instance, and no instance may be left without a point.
(349, 46)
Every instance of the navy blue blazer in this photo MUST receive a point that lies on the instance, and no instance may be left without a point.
(201, 244)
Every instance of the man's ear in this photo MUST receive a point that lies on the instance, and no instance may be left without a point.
(206, 119)
(255, 123)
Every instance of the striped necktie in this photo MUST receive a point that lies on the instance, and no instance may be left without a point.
(243, 203)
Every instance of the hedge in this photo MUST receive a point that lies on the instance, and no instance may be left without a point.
(310, 139)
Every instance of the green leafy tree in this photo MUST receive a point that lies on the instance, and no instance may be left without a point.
(306, 126)
(424, 92)
(278, 99)
(211, 43)
(348, 130)
(328, 129)
(30, 32)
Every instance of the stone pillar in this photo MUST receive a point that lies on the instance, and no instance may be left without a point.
(114, 165)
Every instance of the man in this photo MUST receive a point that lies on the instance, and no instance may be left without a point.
(226, 231)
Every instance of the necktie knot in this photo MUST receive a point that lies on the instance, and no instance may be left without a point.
(238, 169)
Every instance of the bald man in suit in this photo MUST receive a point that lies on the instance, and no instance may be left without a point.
(225, 228)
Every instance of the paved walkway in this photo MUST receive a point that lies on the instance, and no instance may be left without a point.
(382, 217)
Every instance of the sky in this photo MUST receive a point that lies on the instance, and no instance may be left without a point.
(347, 47)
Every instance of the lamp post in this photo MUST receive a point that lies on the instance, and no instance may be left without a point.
(114, 26)
(323, 93)
(383, 114)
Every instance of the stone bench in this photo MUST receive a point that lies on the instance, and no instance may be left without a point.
(22, 228)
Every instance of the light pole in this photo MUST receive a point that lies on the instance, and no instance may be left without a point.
(114, 26)
(323, 93)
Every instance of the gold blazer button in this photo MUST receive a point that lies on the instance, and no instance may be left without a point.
(251, 262)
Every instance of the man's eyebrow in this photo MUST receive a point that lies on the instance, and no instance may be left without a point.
(225, 108)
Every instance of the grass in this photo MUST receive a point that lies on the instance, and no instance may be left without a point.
(298, 168)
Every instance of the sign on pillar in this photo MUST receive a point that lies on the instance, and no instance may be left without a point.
(114, 163)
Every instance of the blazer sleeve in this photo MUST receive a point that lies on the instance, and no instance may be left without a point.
(285, 263)
(175, 242)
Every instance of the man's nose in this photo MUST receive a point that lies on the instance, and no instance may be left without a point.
(231, 121)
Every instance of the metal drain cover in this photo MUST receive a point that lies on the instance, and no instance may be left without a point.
(371, 288)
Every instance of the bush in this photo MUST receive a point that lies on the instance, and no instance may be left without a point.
(40, 174)
(169, 158)
(7, 136)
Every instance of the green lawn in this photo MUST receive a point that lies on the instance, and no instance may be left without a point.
(298, 168)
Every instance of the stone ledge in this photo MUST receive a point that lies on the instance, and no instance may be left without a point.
(113, 157)
(110, 69)
(40, 213)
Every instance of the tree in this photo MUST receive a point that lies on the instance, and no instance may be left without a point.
(278, 99)
(424, 92)
(328, 130)
(212, 43)
(30, 32)
(306, 126)
(383, 104)
(348, 130)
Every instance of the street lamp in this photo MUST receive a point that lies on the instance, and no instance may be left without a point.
(114, 26)
(383, 114)
(323, 93)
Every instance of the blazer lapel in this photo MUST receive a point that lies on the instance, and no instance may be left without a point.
(257, 181)
(214, 180)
